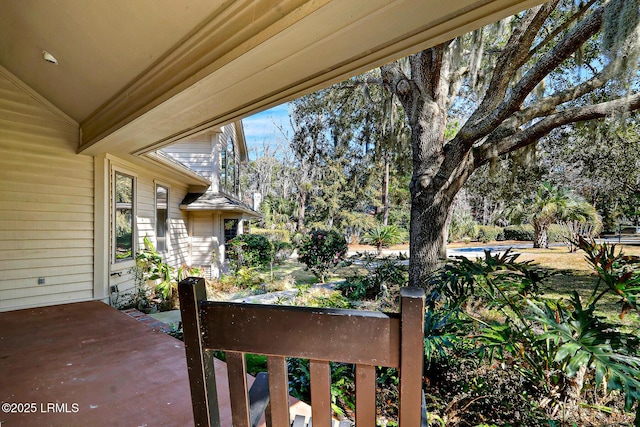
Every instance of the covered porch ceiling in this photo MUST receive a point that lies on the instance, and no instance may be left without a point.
(140, 75)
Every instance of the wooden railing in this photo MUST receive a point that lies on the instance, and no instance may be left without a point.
(364, 338)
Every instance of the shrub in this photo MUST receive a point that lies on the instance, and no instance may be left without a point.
(489, 233)
(250, 250)
(555, 233)
(462, 225)
(383, 273)
(243, 278)
(519, 232)
(321, 251)
(525, 233)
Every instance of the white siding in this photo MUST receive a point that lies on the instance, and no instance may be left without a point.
(46, 204)
(203, 241)
(194, 154)
(178, 243)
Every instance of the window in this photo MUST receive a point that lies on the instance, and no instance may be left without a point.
(223, 168)
(230, 231)
(162, 216)
(229, 176)
(123, 217)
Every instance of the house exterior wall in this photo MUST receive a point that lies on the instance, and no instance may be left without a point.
(204, 238)
(198, 154)
(206, 154)
(46, 203)
(119, 273)
(56, 208)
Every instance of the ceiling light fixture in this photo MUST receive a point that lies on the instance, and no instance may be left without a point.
(49, 58)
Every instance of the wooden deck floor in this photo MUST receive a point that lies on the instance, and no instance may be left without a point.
(87, 364)
(95, 364)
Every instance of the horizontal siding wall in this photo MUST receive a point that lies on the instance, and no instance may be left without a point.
(46, 204)
(196, 154)
(204, 241)
(178, 243)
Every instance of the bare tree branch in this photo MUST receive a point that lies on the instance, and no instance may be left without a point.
(510, 60)
(549, 103)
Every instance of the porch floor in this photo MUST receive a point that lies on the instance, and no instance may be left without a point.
(88, 364)
(99, 365)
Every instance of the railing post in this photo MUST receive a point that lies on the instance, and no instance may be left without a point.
(200, 362)
(412, 301)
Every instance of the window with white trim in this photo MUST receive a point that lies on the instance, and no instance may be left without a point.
(124, 216)
(162, 217)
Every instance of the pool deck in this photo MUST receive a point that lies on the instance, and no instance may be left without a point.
(88, 364)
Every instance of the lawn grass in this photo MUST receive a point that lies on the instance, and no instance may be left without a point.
(570, 272)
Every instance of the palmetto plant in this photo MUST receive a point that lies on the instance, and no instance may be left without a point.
(548, 205)
(384, 236)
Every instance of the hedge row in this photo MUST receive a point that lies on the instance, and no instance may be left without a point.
(525, 233)
(489, 233)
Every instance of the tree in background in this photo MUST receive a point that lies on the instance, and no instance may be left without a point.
(511, 84)
(353, 138)
(601, 161)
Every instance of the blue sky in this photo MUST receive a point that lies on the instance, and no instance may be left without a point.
(262, 128)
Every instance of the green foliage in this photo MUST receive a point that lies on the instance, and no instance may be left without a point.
(525, 233)
(618, 272)
(281, 241)
(275, 235)
(443, 332)
(462, 227)
(321, 251)
(245, 278)
(548, 205)
(555, 233)
(490, 233)
(342, 383)
(519, 232)
(282, 251)
(250, 250)
(383, 273)
(334, 300)
(149, 262)
(548, 342)
(581, 339)
(384, 236)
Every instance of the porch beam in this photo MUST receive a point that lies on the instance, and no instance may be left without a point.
(252, 55)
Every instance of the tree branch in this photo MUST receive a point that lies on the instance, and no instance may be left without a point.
(576, 16)
(497, 145)
(471, 132)
(549, 103)
(510, 60)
